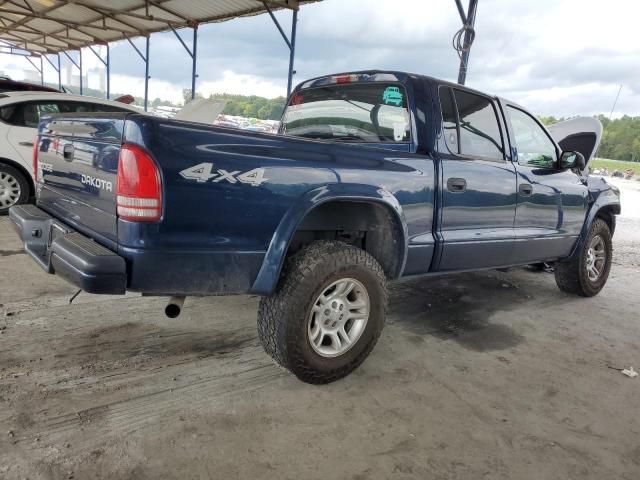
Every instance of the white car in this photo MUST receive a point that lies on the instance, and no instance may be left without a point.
(20, 114)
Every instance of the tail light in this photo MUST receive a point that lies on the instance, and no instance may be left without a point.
(139, 189)
(34, 159)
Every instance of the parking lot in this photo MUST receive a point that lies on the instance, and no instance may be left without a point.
(484, 375)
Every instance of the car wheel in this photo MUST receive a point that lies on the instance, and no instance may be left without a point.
(587, 274)
(327, 312)
(14, 188)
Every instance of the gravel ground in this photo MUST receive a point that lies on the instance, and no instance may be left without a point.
(490, 375)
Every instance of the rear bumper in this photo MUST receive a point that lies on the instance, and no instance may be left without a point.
(61, 250)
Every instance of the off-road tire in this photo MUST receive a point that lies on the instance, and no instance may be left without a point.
(572, 277)
(22, 181)
(283, 316)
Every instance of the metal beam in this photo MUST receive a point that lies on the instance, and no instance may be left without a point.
(292, 53)
(463, 46)
(192, 53)
(145, 59)
(146, 77)
(59, 74)
(105, 62)
(194, 59)
(277, 23)
(290, 41)
(81, 82)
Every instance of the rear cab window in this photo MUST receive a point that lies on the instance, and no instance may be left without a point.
(470, 124)
(352, 112)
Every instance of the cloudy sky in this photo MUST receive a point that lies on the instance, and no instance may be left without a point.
(558, 57)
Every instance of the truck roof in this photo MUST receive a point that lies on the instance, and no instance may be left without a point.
(388, 75)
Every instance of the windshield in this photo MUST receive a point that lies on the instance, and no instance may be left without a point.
(350, 112)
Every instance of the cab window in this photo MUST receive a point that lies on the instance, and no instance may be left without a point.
(479, 129)
(534, 146)
(350, 112)
(470, 124)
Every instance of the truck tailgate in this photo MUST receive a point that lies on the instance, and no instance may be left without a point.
(77, 171)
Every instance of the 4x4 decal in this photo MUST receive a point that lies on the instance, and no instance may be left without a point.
(204, 172)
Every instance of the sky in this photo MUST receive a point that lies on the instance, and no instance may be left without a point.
(556, 57)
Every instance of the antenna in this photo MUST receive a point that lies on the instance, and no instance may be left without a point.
(615, 102)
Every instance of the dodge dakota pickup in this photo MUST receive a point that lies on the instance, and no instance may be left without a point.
(373, 176)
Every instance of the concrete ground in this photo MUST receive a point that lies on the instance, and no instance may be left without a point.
(493, 375)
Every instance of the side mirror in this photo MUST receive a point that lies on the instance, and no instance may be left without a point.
(573, 160)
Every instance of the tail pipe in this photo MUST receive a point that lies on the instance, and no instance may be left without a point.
(174, 307)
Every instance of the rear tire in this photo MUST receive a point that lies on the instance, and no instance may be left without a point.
(14, 188)
(587, 273)
(327, 313)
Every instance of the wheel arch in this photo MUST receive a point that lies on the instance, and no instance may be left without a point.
(317, 207)
(21, 168)
(606, 207)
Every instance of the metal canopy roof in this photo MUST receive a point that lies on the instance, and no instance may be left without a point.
(53, 26)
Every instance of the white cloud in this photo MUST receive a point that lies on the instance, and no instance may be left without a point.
(242, 84)
(560, 57)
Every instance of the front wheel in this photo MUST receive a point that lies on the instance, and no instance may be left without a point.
(327, 313)
(587, 274)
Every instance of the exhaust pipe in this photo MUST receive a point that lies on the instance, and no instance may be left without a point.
(174, 307)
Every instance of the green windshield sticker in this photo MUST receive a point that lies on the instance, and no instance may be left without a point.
(392, 96)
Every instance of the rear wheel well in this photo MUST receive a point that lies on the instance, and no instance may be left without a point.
(23, 171)
(367, 225)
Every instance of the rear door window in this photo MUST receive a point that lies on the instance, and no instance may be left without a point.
(358, 112)
(479, 129)
(470, 124)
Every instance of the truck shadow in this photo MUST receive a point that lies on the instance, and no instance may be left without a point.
(458, 308)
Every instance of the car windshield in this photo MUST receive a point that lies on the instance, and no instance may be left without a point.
(355, 112)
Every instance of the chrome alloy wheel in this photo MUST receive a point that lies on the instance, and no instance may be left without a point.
(9, 190)
(596, 258)
(338, 317)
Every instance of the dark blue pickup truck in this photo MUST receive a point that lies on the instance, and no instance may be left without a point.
(373, 176)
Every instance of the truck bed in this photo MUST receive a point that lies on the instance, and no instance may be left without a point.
(230, 198)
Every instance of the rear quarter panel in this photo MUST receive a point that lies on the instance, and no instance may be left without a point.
(220, 215)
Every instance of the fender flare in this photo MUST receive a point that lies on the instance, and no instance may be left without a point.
(267, 279)
(606, 199)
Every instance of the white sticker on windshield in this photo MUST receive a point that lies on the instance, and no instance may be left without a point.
(399, 128)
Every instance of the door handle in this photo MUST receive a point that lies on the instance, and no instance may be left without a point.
(525, 189)
(456, 185)
(67, 152)
(26, 144)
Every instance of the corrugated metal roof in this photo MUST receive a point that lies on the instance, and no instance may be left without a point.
(52, 26)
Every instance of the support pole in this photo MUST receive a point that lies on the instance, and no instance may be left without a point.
(80, 67)
(105, 62)
(468, 22)
(28, 57)
(292, 52)
(108, 73)
(192, 53)
(76, 64)
(145, 59)
(194, 62)
(41, 71)
(59, 74)
(146, 76)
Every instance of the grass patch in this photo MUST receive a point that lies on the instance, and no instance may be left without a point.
(615, 165)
